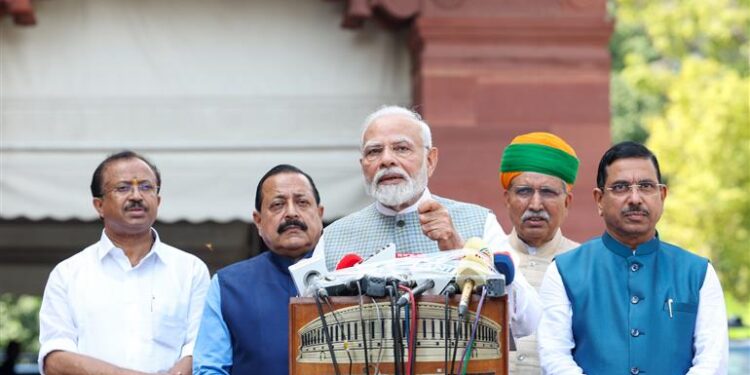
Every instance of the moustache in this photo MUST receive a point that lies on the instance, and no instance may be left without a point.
(529, 214)
(635, 209)
(391, 172)
(135, 204)
(291, 223)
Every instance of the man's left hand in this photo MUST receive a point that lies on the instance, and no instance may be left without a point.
(436, 224)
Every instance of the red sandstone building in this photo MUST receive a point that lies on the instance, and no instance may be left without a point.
(218, 92)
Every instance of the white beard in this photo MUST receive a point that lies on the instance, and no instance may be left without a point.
(398, 194)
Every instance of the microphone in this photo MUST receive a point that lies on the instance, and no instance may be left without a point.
(349, 260)
(463, 306)
(450, 290)
(343, 286)
(472, 271)
(504, 264)
(426, 285)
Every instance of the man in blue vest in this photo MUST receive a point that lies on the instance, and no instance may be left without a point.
(245, 325)
(397, 160)
(627, 302)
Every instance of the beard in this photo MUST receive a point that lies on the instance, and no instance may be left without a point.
(398, 194)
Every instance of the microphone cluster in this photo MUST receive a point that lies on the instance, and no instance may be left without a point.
(401, 279)
(445, 272)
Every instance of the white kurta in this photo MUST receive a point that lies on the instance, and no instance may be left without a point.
(533, 262)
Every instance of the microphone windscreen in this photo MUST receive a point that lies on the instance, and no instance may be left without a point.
(504, 264)
(479, 245)
(349, 260)
(476, 264)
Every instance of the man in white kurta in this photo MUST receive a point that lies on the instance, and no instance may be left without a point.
(537, 196)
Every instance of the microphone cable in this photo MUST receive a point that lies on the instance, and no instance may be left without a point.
(456, 334)
(411, 330)
(394, 330)
(449, 292)
(341, 328)
(445, 332)
(327, 334)
(381, 323)
(467, 351)
(413, 344)
(364, 329)
(400, 325)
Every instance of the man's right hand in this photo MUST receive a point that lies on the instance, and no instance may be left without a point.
(436, 224)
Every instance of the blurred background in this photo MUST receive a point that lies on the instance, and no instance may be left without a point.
(218, 92)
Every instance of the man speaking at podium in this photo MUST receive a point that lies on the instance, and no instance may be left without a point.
(397, 160)
(245, 325)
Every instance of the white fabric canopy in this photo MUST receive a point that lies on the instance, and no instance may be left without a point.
(214, 92)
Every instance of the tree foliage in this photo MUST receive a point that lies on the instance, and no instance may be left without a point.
(680, 83)
(19, 320)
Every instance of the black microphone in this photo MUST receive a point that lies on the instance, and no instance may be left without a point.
(427, 285)
(450, 290)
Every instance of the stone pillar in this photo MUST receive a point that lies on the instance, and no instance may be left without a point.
(485, 71)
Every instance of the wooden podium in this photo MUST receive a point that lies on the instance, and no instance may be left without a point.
(309, 353)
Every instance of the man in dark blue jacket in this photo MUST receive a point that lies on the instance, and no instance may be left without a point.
(245, 326)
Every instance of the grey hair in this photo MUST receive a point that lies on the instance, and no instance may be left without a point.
(388, 110)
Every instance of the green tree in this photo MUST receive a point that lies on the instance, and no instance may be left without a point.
(19, 320)
(703, 142)
(680, 83)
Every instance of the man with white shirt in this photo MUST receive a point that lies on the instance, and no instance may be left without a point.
(128, 304)
(397, 160)
(627, 302)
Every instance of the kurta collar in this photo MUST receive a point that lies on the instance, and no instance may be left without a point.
(624, 251)
(282, 262)
(106, 246)
(546, 248)
(389, 212)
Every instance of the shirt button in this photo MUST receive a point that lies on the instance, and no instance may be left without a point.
(522, 357)
(635, 371)
(635, 267)
(634, 299)
(635, 332)
(400, 223)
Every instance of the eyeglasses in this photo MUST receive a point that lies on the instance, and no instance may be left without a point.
(402, 150)
(644, 188)
(144, 187)
(527, 192)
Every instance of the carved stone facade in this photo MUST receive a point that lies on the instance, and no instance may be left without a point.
(433, 332)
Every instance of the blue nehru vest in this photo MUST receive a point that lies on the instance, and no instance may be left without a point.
(367, 231)
(255, 305)
(622, 321)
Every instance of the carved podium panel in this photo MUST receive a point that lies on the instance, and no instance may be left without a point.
(309, 353)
